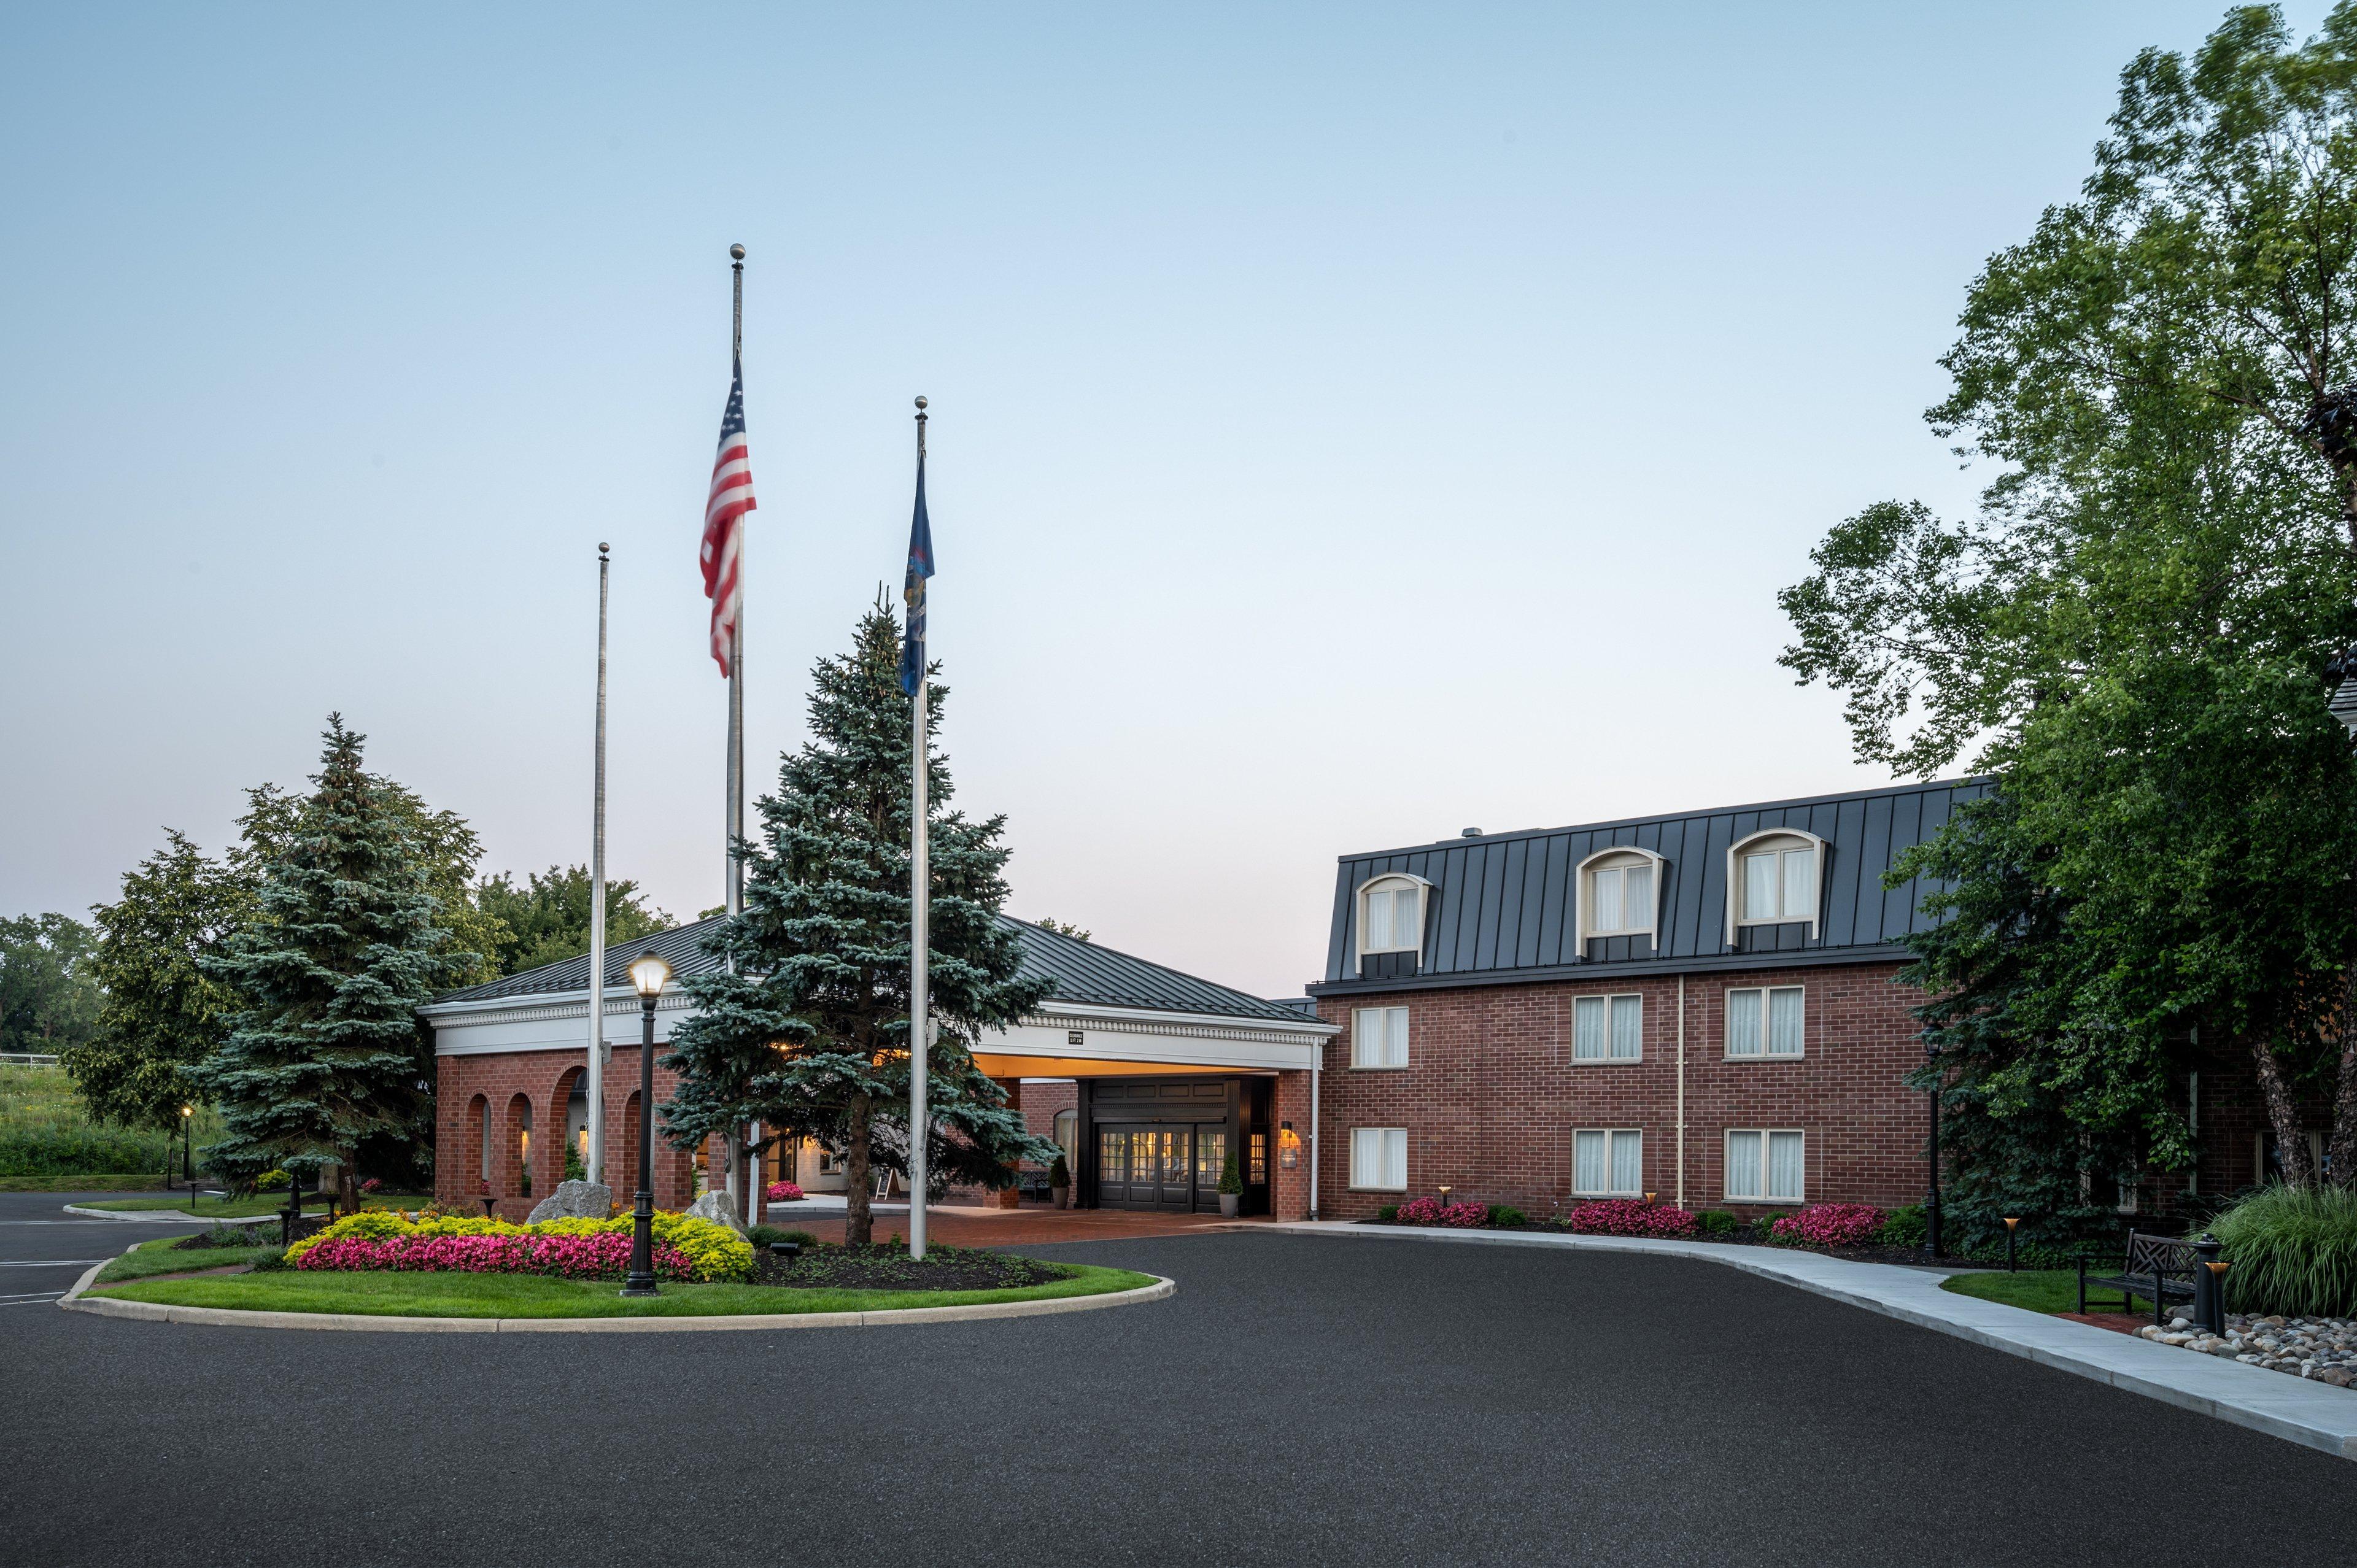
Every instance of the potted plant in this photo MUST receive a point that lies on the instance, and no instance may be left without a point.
(1232, 1187)
(1059, 1183)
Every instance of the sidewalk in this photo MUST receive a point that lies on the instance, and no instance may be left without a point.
(2315, 1415)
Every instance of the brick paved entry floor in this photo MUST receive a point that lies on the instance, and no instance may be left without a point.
(1010, 1227)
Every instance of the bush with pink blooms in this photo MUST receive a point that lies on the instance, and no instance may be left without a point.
(601, 1257)
(1432, 1211)
(786, 1191)
(1629, 1217)
(1830, 1225)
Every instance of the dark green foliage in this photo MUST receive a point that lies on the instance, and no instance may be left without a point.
(1388, 1214)
(547, 919)
(48, 998)
(341, 949)
(1506, 1217)
(762, 1235)
(84, 1151)
(574, 1169)
(2291, 1251)
(1061, 1175)
(162, 1013)
(1718, 1222)
(1232, 1177)
(1906, 1226)
(809, 1035)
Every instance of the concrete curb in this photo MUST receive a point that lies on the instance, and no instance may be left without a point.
(2316, 1415)
(367, 1322)
(168, 1216)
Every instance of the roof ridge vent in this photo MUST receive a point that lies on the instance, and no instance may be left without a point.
(1471, 833)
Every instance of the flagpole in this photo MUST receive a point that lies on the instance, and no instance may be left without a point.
(735, 896)
(594, 1088)
(921, 886)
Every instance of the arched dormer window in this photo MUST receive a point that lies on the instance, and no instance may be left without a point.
(1774, 878)
(1391, 914)
(1619, 892)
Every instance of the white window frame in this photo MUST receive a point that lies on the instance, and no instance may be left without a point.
(1607, 1135)
(1767, 1161)
(1584, 896)
(1384, 881)
(1727, 1024)
(1607, 998)
(1735, 852)
(1358, 1183)
(1374, 1025)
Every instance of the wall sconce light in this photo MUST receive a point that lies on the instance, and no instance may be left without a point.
(1288, 1144)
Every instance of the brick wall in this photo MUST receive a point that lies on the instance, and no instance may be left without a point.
(1492, 1094)
(498, 1086)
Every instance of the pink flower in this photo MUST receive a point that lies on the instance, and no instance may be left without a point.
(1431, 1211)
(784, 1192)
(1629, 1217)
(601, 1257)
(1830, 1225)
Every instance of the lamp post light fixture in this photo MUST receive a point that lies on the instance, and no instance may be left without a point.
(1649, 1198)
(187, 1150)
(1444, 1197)
(2010, 1221)
(1931, 1245)
(649, 975)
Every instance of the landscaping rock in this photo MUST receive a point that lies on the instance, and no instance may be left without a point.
(2321, 1350)
(574, 1200)
(715, 1205)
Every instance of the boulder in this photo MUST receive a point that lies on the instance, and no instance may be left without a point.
(574, 1200)
(715, 1205)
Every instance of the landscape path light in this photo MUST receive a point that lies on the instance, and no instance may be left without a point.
(649, 975)
(2010, 1221)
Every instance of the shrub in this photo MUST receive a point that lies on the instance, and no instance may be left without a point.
(1430, 1211)
(786, 1191)
(2292, 1250)
(271, 1262)
(762, 1235)
(1231, 1175)
(574, 1169)
(1506, 1217)
(1387, 1215)
(1718, 1222)
(713, 1251)
(1829, 1225)
(276, 1180)
(1905, 1227)
(1060, 1173)
(1629, 1217)
(83, 1150)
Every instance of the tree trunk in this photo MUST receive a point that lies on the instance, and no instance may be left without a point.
(858, 1220)
(347, 1184)
(2341, 1144)
(2283, 1116)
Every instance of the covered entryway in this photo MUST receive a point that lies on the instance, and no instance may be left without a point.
(1161, 1143)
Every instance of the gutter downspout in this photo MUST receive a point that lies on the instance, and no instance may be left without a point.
(1682, 1091)
(1313, 1128)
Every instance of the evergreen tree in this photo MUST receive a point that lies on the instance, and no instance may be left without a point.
(161, 1014)
(809, 1035)
(342, 947)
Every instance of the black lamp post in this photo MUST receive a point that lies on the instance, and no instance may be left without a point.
(1932, 1247)
(188, 1149)
(649, 974)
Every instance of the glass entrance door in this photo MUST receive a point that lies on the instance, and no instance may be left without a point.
(1211, 1158)
(1148, 1167)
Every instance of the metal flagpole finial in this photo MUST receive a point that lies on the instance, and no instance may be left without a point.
(602, 548)
(736, 254)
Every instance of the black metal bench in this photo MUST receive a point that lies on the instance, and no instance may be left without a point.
(1034, 1185)
(2160, 1267)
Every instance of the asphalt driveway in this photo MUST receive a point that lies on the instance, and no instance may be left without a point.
(1302, 1400)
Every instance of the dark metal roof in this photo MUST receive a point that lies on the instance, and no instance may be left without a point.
(1083, 972)
(1501, 908)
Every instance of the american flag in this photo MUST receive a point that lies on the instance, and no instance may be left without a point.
(724, 511)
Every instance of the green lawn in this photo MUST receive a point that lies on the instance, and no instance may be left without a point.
(162, 1256)
(538, 1295)
(253, 1208)
(2038, 1290)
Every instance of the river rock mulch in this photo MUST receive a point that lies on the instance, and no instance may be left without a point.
(2321, 1348)
(886, 1265)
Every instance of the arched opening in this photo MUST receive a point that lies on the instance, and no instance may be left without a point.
(568, 1151)
(623, 1145)
(516, 1155)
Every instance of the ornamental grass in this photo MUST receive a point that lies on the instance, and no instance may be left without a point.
(2292, 1251)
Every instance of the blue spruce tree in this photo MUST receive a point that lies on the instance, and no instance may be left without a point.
(809, 1035)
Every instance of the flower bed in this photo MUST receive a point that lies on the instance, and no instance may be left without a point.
(712, 1252)
(785, 1191)
(605, 1256)
(1629, 1217)
(1431, 1211)
(1830, 1225)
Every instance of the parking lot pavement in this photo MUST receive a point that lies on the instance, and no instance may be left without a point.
(44, 1249)
(1302, 1400)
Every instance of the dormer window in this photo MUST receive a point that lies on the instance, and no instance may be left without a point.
(1774, 878)
(1391, 915)
(1619, 892)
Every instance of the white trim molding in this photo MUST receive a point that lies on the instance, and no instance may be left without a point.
(1583, 907)
(1359, 911)
(1735, 880)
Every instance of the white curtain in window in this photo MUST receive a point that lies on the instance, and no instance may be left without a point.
(1743, 1023)
(1628, 1162)
(1378, 1037)
(1588, 1169)
(1379, 921)
(1784, 1166)
(1636, 909)
(1784, 1021)
(1800, 884)
(1587, 1029)
(1759, 887)
(1606, 914)
(1367, 1157)
(1628, 1029)
(1403, 928)
(1743, 1165)
(1395, 1157)
(1395, 1036)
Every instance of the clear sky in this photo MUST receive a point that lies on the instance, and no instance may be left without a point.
(1352, 423)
